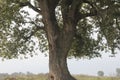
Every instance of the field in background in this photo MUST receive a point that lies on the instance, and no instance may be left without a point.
(85, 77)
(44, 77)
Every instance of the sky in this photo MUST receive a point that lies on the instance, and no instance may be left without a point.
(39, 64)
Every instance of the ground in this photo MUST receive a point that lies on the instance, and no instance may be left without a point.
(44, 77)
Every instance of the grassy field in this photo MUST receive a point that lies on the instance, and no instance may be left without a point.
(84, 77)
(44, 77)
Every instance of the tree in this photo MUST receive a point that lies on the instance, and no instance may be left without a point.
(118, 72)
(61, 27)
(100, 73)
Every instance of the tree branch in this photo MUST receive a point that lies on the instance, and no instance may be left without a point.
(31, 34)
(22, 4)
(34, 8)
(75, 7)
(34, 31)
(88, 15)
(38, 27)
(53, 3)
(74, 10)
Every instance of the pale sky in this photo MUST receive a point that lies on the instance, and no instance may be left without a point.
(39, 64)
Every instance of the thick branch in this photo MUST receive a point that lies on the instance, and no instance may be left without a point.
(34, 8)
(74, 10)
(65, 8)
(53, 3)
(87, 15)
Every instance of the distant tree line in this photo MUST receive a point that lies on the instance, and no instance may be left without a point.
(4, 75)
(101, 73)
(118, 72)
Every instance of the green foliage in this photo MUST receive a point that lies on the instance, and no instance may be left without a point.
(20, 33)
(17, 29)
(98, 33)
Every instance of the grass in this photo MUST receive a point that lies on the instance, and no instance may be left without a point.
(44, 77)
(84, 77)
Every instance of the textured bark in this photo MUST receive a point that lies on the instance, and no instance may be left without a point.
(58, 67)
(58, 51)
(59, 45)
(59, 42)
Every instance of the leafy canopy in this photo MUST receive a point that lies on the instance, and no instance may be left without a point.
(98, 27)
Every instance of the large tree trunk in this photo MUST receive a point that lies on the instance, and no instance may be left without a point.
(59, 42)
(58, 66)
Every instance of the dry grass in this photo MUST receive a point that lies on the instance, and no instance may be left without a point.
(84, 77)
(44, 77)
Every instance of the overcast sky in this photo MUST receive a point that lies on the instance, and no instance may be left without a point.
(39, 64)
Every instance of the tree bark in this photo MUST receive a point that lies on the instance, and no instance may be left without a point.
(59, 42)
(58, 69)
